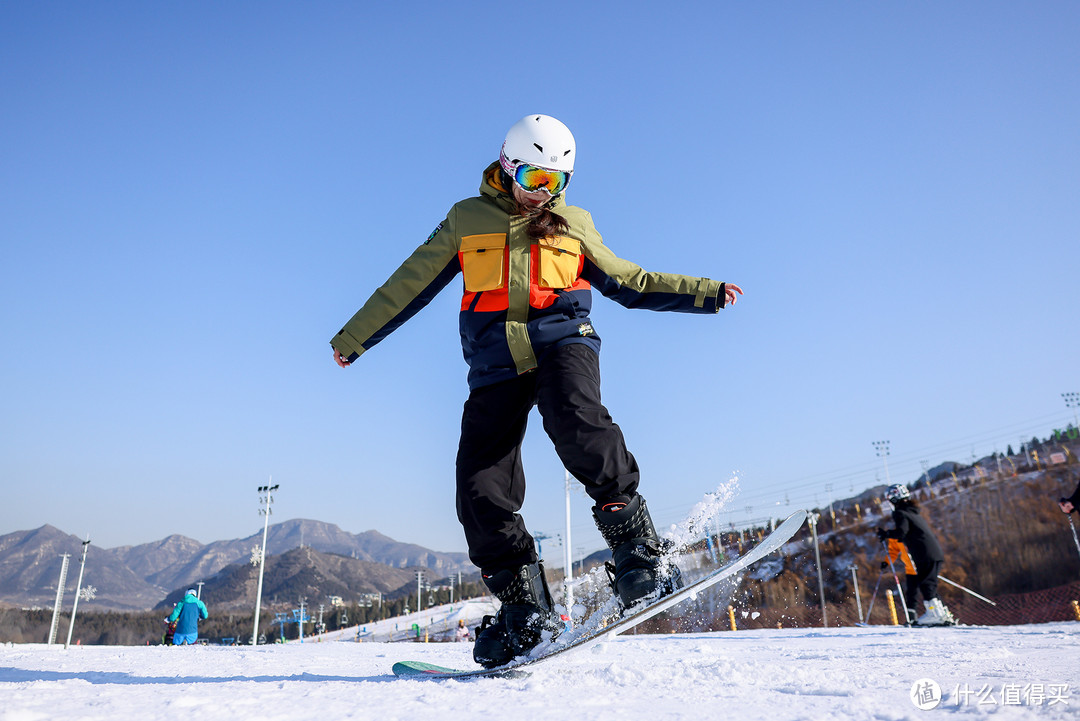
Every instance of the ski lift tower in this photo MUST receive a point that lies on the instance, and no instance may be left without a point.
(300, 617)
(280, 618)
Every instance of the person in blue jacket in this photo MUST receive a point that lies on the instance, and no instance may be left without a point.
(187, 614)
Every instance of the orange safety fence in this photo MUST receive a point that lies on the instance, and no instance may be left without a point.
(1046, 606)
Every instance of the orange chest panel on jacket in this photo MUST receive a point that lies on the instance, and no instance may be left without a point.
(485, 266)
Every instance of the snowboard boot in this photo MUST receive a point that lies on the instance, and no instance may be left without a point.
(525, 618)
(638, 569)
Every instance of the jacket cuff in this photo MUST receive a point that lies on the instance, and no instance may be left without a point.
(347, 345)
(711, 297)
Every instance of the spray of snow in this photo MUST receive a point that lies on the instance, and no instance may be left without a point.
(702, 516)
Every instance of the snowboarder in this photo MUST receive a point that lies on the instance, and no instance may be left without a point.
(186, 615)
(915, 533)
(462, 632)
(529, 261)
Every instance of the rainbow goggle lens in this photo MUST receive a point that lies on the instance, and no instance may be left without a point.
(531, 179)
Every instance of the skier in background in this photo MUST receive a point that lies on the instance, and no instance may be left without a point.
(529, 262)
(914, 532)
(187, 615)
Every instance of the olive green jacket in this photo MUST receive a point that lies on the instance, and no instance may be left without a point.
(521, 297)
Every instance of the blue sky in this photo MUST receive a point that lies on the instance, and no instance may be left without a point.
(194, 197)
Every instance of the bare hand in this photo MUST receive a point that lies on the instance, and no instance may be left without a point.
(1065, 506)
(730, 290)
(340, 359)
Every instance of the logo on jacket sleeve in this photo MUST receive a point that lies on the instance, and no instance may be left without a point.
(585, 329)
(433, 233)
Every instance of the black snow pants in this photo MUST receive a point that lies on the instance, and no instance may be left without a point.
(925, 581)
(490, 477)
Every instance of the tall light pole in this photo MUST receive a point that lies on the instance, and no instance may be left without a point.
(59, 597)
(569, 575)
(78, 590)
(1072, 400)
(266, 499)
(882, 448)
(813, 518)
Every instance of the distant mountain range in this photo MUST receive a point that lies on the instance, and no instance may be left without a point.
(300, 572)
(144, 576)
(303, 556)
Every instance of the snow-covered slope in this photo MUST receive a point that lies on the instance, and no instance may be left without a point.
(1013, 672)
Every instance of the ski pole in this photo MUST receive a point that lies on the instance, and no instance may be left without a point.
(1073, 527)
(873, 596)
(855, 583)
(964, 588)
(899, 589)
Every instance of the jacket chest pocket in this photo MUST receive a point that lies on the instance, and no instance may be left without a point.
(559, 263)
(483, 260)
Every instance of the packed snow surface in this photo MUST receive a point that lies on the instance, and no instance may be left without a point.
(1013, 672)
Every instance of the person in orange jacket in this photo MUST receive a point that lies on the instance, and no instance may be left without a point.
(898, 551)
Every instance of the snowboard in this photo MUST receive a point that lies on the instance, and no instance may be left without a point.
(630, 618)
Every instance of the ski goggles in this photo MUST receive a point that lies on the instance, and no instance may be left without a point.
(532, 179)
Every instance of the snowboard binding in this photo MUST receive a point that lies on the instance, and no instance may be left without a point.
(640, 568)
(525, 619)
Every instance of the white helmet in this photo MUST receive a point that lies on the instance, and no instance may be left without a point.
(897, 493)
(538, 140)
